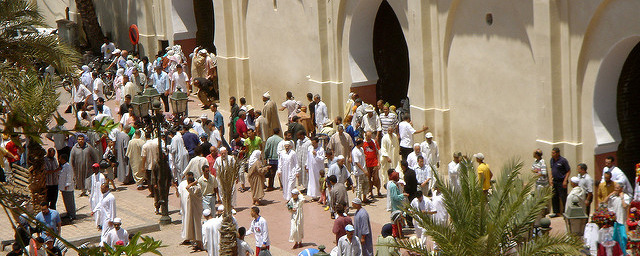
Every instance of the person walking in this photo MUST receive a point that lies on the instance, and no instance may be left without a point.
(297, 218)
(81, 158)
(362, 227)
(260, 230)
(66, 185)
(51, 169)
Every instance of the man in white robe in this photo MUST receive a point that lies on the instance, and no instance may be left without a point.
(95, 195)
(196, 163)
(117, 234)
(389, 153)
(107, 209)
(302, 146)
(178, 157)
(617, 175)
(122, 143)
(315, 163)
(225, 160)
(134, 154)
(192, 225)
(211, 233)
(296, 232)
(412, 158)
(288, 168)
(430, 148)
(577, 194)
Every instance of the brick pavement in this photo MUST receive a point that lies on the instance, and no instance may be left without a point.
(136, 209)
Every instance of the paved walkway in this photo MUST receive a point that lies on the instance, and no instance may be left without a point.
(136, 209)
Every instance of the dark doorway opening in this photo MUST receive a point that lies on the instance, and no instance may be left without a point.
(628, 109)
(391, 56)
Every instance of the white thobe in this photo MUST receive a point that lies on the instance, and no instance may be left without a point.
(412, 159)
(195, 166)
(230, 161)
(301, 152)
(211, 236)
(107, 209)
(288, 167)
(454, 172)
(389, 147)
(296, 233)
(116, 235)
(314, 165)
(431, 150)
(322, 115)
(341, 172)
(615, 205)
(576, 194)
(619, 177)
(178, 156)
(182, 191)
(349, 248)
(441, 214)
(95, 196)
(425, 205)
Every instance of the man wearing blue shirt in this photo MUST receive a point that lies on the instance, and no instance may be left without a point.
(162, 85)
(50, 218)
(560, 170)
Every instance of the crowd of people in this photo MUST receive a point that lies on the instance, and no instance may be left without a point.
(309, 157)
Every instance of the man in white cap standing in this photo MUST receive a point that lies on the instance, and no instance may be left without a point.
(430, 148)
(117, 234)
(297, 218)
(577, 195)
(349, 245)
(484, 173)
(371, 123)
(211, 233)
(288, 168)
(270, 112)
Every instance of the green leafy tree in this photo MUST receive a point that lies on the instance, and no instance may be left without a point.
(29, 101)
(497, 224)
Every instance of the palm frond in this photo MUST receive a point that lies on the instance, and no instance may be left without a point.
(552, 245)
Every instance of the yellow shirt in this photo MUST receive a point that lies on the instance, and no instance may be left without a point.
(605, 190)
(484, 174)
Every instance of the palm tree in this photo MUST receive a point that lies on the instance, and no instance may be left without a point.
(29, 100)
(497, 224)
(90, 24)
(228, 176)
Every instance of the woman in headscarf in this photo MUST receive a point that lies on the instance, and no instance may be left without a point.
(256, 176)
(386, 243)
(118, 84)
(129, 67)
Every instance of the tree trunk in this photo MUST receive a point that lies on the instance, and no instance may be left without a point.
(37, 177)
(205, 22)
(228, 236)
(90, 24)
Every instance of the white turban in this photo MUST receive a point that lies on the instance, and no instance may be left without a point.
(206, 212)
(575, 179)
(266, 95)
(339, 157)
(85, 68)
(187, 121)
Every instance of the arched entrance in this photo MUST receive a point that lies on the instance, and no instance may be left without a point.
(391, 56)
(628, 113)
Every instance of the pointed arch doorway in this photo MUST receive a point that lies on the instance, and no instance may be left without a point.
(628, 113)
(391, 56)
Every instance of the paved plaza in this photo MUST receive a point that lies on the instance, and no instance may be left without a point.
(137, 212)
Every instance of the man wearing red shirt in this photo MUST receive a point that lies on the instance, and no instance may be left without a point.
(371, 158)
(211, 158)
(14, 149)
(241, 126)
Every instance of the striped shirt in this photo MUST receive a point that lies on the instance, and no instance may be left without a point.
(388, 120)
(50, 163)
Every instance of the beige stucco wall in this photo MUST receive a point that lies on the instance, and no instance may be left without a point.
(527, 81)
(156, 20)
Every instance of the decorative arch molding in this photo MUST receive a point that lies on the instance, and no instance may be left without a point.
(357, 35)
(605, 119)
